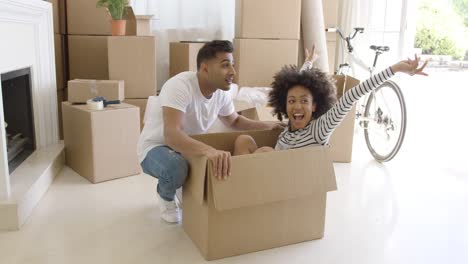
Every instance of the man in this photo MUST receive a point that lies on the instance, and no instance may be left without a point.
(189, 103)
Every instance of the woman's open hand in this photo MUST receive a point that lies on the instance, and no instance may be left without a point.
(311, 56)
(410, 67)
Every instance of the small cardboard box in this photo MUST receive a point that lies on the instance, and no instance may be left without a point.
(133, 59)
(80, 90)
(341, 141)
(183, 56)
(84, 18)
(270, 200)
(140, 103)
(268, 19)
(59, 16)
(87, 57)
(137, 25)
(257, 60)
(101, 145)
(60, 63)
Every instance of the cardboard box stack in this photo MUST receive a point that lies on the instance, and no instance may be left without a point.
(100, 145)
(183, 56)
(267, 38)
(133, 59)
(88, 28)
(60, 46)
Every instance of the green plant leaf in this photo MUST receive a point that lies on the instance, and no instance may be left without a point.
(115, 7)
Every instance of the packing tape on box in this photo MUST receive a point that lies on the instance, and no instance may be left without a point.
(92, 105)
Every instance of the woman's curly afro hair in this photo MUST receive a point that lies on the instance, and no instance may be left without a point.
(320, 84)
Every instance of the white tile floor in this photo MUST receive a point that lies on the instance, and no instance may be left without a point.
(411, 210)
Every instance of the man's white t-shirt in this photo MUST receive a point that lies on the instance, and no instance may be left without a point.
(182, 92)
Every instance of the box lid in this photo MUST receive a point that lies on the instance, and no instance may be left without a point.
(273, 177)
(264, 177)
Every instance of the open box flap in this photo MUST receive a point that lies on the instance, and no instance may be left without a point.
(274, 176)
(195, 183)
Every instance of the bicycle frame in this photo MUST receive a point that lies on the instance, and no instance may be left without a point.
(370, 115)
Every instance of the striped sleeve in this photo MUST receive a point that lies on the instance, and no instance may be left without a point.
(333, 117)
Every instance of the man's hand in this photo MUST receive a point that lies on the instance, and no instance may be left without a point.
(274, 125)
(410, 67)
(220, 162)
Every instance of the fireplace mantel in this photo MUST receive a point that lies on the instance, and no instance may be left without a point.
(27, 40)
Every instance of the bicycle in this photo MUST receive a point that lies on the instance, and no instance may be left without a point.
(382, 112)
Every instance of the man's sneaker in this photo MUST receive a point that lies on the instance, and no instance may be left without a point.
(169, 210)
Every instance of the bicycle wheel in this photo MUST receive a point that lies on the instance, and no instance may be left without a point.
(385, 115)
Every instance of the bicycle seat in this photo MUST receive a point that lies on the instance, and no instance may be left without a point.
(379, 48)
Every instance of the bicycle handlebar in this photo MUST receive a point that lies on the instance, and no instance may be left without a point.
(348, 38)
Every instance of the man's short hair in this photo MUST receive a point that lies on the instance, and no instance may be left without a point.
(210, 49)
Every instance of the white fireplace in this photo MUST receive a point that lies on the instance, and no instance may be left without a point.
(27, 41)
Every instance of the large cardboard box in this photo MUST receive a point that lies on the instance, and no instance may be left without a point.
(341, 141)
(79, 90)
(270, 200)
(60, 62)
(140, 103)
(59, 16)
(257, 60)
(87, 57)
(98, 20)
(268, 19)
(101, 145)
(83, 18)
(183, 56)
(133, 59)
(61, 97)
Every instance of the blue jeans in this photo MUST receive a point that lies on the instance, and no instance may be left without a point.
(169, 167)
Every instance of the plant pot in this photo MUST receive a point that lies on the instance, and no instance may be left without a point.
(118, 27)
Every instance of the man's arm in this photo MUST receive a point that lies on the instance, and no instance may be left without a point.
(239, 122)
(178, 140)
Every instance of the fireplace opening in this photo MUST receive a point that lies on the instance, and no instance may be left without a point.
(18, 115)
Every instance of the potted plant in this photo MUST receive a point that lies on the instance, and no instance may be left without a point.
(116, 9)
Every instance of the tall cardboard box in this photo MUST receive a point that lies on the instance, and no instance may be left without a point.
(183, 56)
(59, 16)
(83, 18)
(60, 62)
(62, 96)
(257, 60)
(141, 104)
(79, 90)
(268, 19)
(270, 200)
(101, 145)
(133, 59)
(87, 57)
(341, 141)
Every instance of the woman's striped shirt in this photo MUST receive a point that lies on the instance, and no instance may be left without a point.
(319, 130)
